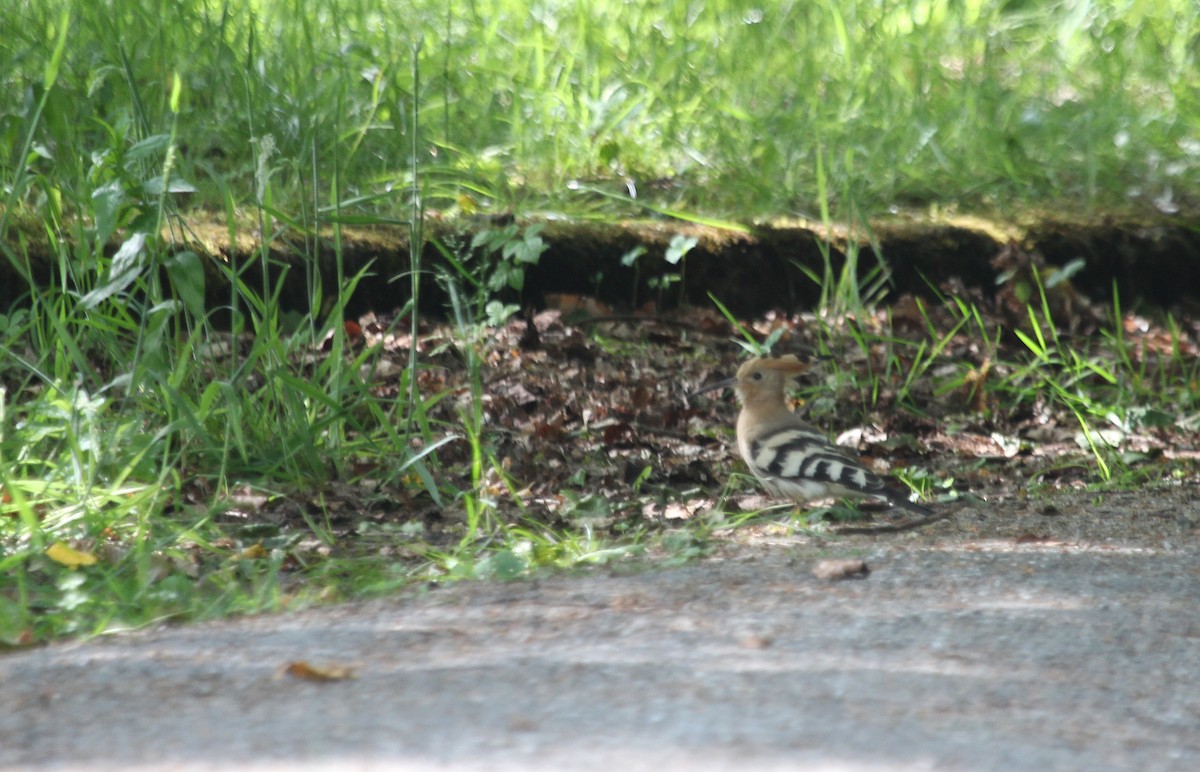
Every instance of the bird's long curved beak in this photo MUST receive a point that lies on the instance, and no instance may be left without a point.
(728, 383)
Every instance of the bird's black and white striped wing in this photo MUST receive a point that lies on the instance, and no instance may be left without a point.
(803, 464)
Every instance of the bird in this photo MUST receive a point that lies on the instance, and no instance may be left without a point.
(791, 458)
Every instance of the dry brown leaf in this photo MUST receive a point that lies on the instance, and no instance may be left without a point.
(253, 552)
(309, 672)
(832, 570)
(68, 556)
(576, 304)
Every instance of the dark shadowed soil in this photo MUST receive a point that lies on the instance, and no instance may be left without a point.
(1005, 638)
(1148, 257)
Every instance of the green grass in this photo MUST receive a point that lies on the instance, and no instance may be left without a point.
(1107, 386)
(148, 426)
(1084, 103)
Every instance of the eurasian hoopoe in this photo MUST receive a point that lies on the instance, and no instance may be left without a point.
(791, 458)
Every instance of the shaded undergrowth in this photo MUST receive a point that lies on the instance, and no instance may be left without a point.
(157, 467)
(163, 456)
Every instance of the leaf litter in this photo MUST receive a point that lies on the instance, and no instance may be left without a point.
(586, 423)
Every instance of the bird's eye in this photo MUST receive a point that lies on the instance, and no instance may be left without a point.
(756, 376)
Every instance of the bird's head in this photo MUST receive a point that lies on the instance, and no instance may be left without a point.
(762, 378)
(765, 379)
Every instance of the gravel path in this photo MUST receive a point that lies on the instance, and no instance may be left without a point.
(1055, 650)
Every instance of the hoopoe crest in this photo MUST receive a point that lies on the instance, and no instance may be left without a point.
(791, 458)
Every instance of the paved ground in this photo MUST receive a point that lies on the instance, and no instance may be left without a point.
(964, 653)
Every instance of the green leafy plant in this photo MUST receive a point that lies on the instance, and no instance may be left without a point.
(676, 254)
(512, 249)
(631, 260)
(494, 263)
